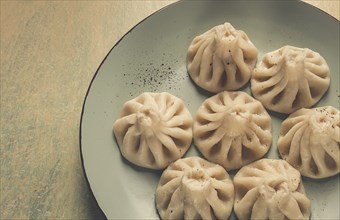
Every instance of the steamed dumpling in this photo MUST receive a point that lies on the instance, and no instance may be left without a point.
(221, 59)
(193, 188)
(310, 139)
(232, 129)
(153, 130)
(270, 189)
(290, 78)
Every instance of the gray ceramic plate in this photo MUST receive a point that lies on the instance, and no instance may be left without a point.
(151, 57)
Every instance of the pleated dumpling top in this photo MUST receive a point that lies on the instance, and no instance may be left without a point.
(153, 130)
(270, 189)
(221, 59)
(290, 78)
(309, 140)
(193, 188)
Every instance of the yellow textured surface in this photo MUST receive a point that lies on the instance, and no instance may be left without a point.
(49, 54)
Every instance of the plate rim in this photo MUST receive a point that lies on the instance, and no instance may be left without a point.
(102, 212)
(87, 93)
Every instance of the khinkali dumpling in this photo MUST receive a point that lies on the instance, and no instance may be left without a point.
(153, 130)
(232, 129)
(290, 78)
(221, 59)
(270, 189)
(193, 188)
(310, 139)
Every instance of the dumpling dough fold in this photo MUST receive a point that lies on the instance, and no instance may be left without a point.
(232, 129)
(270, 189)
(290, 78)
(309, 140)
(221, 59)
(153, 130)
(193, 188)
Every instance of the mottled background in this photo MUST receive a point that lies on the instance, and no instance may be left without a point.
(49, 54)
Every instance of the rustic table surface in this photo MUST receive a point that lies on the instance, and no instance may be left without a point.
(49, 54)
